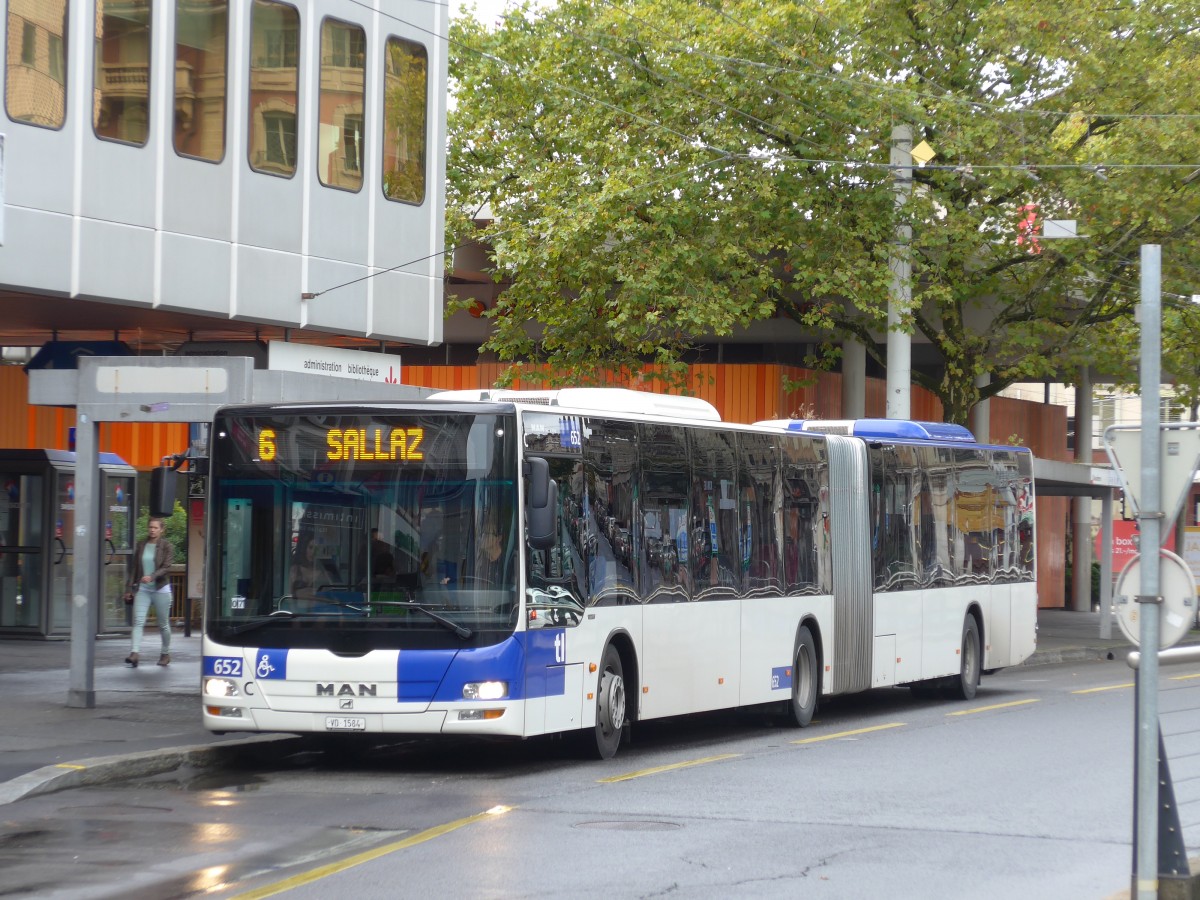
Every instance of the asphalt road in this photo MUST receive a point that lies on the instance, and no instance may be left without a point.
(1024, 792)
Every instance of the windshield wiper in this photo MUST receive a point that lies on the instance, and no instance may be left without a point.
(231, 630)
(461, 630)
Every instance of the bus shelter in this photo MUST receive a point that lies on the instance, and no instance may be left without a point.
(38, 523)
(155, 389)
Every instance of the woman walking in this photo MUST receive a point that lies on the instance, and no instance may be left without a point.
(151, 563)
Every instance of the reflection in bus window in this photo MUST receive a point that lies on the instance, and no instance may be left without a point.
(664, 517)
(610, 465)
(340, 122)
(35, 86)
(405, 83)
(274, 80)
(121, 108)
(714, 555)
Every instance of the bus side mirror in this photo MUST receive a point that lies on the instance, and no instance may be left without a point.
(541, 504)
(162, 491)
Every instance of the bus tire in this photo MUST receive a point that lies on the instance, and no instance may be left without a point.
(610, 705)
(967, 681)
(803, 704)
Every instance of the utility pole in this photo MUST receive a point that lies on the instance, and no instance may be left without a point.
(1145, 880)
(899, 341)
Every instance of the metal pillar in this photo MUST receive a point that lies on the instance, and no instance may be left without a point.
(854, 379)
(85, 583)
(899, 341)
(1145, 880)
(1081, 507)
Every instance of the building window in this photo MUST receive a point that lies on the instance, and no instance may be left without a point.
(340, 127)
(352, 144)
(274, 87)
(405, 100)
(280, 131)
(29, 44)
(34, 87)
(201, 37)
(121, 80)
(56, 58)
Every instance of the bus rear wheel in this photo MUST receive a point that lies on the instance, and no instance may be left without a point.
(803, 704)
(610, 705)
(967, 682)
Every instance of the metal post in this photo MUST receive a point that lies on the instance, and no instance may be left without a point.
(1106, 579)
(85, 582)
(1081, 507)
(854, 379)
(899, 341)
(1145, 886)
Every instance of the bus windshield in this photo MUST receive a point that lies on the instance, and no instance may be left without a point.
(356, 532)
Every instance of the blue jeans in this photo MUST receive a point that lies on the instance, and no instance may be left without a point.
(146, 595)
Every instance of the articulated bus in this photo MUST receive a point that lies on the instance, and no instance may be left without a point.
(575, 561)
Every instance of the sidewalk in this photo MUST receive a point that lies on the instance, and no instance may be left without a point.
(147, 720)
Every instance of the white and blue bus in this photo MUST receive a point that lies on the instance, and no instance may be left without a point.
(528, 563)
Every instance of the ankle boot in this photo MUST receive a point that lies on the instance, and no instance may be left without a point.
(131, 660)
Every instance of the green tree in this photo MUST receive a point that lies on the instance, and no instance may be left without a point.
(665, 170)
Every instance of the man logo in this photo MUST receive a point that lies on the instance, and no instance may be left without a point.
(346, 690)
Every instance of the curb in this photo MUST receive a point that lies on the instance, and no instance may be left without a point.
(111, 769)
(1075, 654)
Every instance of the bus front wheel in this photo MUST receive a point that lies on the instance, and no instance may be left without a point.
(610, 704)
(803, 704)
(969, 669)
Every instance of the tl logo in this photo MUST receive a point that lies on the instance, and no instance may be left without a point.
(560, 647)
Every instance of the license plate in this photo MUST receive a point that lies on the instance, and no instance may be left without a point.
(345, 723)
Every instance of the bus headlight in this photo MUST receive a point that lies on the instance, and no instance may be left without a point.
(220, 687)
(485, 690)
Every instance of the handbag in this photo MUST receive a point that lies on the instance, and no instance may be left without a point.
(128, 598)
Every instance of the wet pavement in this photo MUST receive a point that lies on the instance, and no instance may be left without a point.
(147, 720)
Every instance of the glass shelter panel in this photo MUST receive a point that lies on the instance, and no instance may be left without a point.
(35, 84)
(117, 554)
(22, 535)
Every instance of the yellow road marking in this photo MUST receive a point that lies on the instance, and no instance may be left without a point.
(68, 766)
(358, 859)
(1183, 677)
(842, 734)
(657, 769)
(979, 709)
(1109, 687)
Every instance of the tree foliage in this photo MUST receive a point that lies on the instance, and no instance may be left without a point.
(661, 171)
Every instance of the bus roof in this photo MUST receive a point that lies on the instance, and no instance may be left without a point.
(879, 429)
(599, 400)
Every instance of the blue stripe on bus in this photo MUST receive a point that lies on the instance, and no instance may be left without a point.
(781, 678)
(531, 663)
(419, 672)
